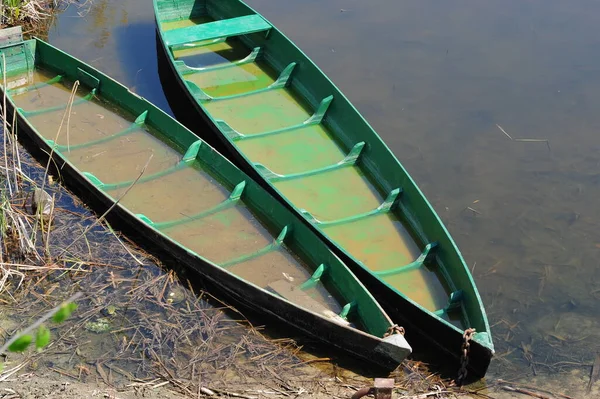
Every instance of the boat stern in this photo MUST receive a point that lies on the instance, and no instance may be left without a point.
(395, 347)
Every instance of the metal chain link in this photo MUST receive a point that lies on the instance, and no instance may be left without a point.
(395, 329)
(464, 358)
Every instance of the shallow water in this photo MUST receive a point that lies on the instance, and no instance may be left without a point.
(228, 234)
(435, 80)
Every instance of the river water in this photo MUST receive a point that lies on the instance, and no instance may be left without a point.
(493, 109)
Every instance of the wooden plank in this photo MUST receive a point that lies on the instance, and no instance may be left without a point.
(214, 30)
(10, 36)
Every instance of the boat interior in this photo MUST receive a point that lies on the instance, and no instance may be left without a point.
(275, 108)
(184, 189)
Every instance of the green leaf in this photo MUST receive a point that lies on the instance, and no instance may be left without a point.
(63, 312)
(21, 343)
(42, 338)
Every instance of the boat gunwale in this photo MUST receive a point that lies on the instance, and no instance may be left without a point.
(403, 210)
(105, 198)
(433, 230)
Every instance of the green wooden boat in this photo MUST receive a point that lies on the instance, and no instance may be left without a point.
(189, 203)
(287, 125)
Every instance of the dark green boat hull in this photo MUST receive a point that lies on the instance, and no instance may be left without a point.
(376, 350)
(425, 329)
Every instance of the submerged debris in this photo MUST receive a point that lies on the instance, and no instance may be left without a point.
(98, 326)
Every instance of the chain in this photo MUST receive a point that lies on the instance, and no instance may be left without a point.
(395, 329)
(464, 358)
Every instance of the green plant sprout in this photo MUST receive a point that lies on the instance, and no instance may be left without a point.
(21, 341)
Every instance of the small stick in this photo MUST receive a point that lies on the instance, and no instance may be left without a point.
(424, 395)
(59, 371)
(473, 210)
(595, 373)
(536, 141)
(139, 262)
(206, 391)
(68, 109)
(49, 225)
(525, 392)
(504, 131)
(233, 394)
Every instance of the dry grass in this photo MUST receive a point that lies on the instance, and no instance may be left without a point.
(33, 15)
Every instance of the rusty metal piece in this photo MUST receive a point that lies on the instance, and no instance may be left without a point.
(464, 361)
(395, 329)
(382, 389)
(362, 392)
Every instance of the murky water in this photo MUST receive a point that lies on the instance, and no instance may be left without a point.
(436, 79)
(229, 234)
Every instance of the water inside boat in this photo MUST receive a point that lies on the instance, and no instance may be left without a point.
(181, 199)
(275, 128)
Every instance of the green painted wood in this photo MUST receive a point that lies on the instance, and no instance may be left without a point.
(231, 201)
(187, 46)
(81, 100)
(11, 36)
(346, 310)
(282, 81)
(87, 79)
(315, 278)
(386, 206)
(377, 174)
(348, 160)
(214, 30)
(370, 321)
(186, 70)
(419, 262)
(278, 242)
(18, 56)
(188, 158)
(314, 119)
(136, 125)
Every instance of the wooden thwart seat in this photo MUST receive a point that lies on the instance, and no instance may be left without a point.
(17, 57)
(426, 255)
(314, 119)
(214, 30)
(348, 160)
(188, 158)
(388, 205)
(137, 124)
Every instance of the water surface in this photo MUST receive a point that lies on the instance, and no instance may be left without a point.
(436, 80)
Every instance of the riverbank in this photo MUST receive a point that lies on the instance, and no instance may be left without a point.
(35, 16)
(503, 242)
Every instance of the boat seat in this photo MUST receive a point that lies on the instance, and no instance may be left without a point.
(214, 30)
(299, 297)
(455, 299)
(17, 56)
(425, 256)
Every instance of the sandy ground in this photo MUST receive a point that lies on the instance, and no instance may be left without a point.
(33, 386)
(50, 385)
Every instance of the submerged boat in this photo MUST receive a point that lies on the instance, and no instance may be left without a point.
(184, 199)
(287, 125)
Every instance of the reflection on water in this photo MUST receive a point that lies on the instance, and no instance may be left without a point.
(435, 79)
